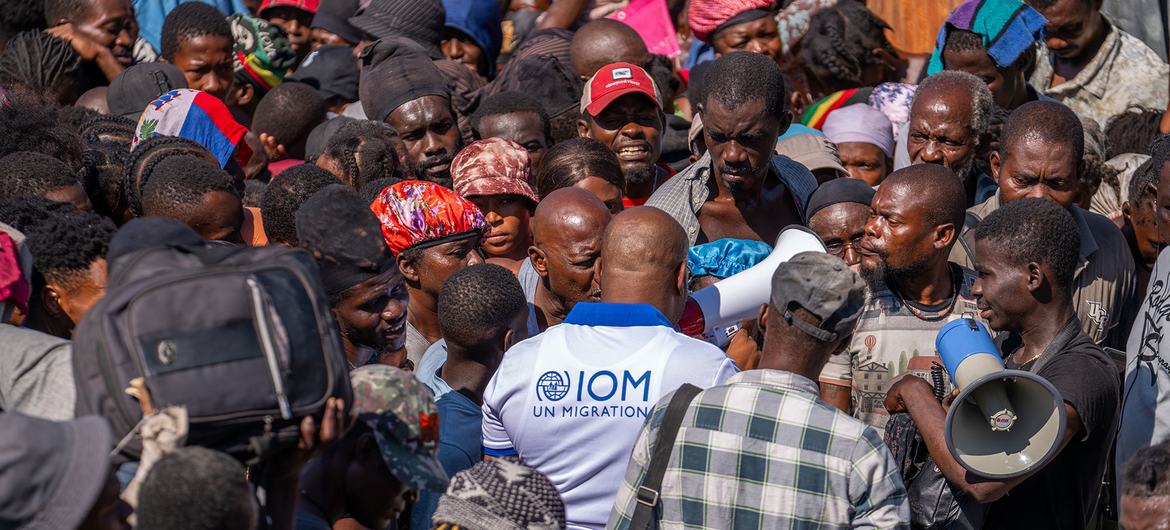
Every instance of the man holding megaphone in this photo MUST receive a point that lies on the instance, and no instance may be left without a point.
(1027, 253)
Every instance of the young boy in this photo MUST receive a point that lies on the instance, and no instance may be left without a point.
(197, 39)
(296, 17)
(283, 121)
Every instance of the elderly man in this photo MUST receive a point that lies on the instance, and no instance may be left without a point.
(837, 212)
(402, 87)
(950, 115)
(739, 189)
(1094, 67)
(1040, 156)
(993, 41)
(620, 108)
(915, 218)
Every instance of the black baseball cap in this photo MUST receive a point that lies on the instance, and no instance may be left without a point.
(137, 86)
(332, 70)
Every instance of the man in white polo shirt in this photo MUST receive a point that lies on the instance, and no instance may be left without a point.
(571, 401)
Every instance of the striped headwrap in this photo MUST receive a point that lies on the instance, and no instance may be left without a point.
(1008, 29)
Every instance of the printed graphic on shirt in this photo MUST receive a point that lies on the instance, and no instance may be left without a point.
(592, 394)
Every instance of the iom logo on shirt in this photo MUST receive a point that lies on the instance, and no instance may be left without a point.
(594, 388)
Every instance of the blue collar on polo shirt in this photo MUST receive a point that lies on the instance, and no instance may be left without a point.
(616, 315)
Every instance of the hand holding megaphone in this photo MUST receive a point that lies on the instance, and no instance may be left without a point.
(739, 297)
(1004, 423)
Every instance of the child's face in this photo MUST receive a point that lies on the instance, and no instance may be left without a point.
(206, 61)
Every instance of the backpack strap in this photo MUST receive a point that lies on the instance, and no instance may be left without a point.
(970, 221)
(647, 493)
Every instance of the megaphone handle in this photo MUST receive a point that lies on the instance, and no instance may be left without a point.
(938, 381)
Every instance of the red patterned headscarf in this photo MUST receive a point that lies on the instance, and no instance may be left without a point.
(705, 17)
(419, 213)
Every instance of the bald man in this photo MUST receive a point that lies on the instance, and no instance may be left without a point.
(1040, 157)
(914, 220)
(560, 271)
(572, 399)
(605, 41)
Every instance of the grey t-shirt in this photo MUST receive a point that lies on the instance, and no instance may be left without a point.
(36, 374)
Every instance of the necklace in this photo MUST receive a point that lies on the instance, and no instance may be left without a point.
(922, 315)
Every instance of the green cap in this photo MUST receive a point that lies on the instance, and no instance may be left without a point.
(402, 413)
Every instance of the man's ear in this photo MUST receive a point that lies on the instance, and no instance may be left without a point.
(51, 296)
(680, 279)
(1035, 276)
(765, 311)
(996, 163)
(944, 235)
(538, 261)
(245, 93)
(582, 128)
(408, 269)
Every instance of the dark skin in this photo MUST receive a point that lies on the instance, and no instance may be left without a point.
(1035, 167)
(508, 220)
(842, 227)
(372, 318)
(603, 42)
(206, 62)
(524, 128)
(940, 131)
(469, 367)
(429, 133)
(323, 37)
(865, 161)
(426, 276)
(1147, 226)
(1012, 297)
(103, 32)
(351, 484)
(567, 235)
(1007, 85)
(74, 195)
(788, 349)
(296, 24)
(644, 261)
(1145, 513)
(1075, 32)
(109, 511)
(605, 191)
(742, 204)
(64, 301)
(631, 126)
(219, 217)
(757, 36)
(461, 48)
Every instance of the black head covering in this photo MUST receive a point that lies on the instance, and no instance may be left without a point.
(837, 191)
(395, 71)
(333, 16)
(332, 70)
(421, 21)
(341, 232)
(546, 79)
(147, 232)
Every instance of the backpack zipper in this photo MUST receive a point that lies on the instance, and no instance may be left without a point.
(260, 315)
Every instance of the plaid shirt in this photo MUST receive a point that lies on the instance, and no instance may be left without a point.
(684, 195)
(761, 451)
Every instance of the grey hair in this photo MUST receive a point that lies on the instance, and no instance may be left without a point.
(982, 103)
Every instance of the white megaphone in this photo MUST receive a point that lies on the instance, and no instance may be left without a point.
(1005, 423)
(739, 297)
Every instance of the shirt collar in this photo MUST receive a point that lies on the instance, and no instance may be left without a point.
(1088, 242)
(778, 378)
(1093, 78)
(616, 315)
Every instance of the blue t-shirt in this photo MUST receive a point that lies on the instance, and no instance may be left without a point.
(460, 447)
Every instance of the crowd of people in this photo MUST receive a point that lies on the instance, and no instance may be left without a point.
(437, 264)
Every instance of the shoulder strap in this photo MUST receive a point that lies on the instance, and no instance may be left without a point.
(647, 494)
(970, 221)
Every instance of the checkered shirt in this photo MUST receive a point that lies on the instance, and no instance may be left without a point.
(761, 451)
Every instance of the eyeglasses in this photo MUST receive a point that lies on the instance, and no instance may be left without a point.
(838, 248)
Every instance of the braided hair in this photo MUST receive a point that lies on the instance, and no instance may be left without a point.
(145, 159)
(101, 174)
(364, 152)
(108, 129)
(840, 43)
(1132, 131)
(37, 62)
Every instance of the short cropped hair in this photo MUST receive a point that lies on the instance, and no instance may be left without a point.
(510, 103)
(1046, 120)
(1032, 230)
(181, 184)
(195, 488)
(189, 20)
(289, 112)
(477, 302)
(741, 77)
(285, 194)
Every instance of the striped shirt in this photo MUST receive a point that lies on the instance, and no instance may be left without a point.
(761, 451)
(684, 195)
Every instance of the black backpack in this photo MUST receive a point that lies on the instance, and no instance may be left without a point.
(243, 337)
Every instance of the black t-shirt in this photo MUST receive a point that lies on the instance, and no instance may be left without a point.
(1064, 493)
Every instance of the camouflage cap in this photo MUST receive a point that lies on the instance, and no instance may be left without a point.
(402, 413)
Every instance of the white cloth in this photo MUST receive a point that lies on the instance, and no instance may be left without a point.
(572, 400)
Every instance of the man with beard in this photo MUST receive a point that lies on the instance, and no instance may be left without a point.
(1027, 257)
(1040, 156)
(102, 32)
(739, 189)
(402, 87)
(915, 218)
(364, 285)
(433, 233)
(561, 267)
(620, 109)
(950, 115)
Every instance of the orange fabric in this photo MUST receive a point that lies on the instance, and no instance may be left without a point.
(915, 22)
(253, 230)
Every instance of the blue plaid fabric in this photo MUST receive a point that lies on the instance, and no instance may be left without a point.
(761, 451)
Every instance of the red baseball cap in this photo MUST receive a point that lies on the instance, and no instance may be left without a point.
(614, 81)
(304, 5)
